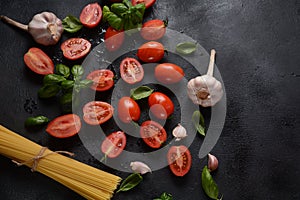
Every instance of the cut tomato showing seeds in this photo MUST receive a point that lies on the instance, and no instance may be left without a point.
(114, 144)
(75, 48)
(97, 112)
(103, 79)
(153, 134)
(180, 160)
(131, 70)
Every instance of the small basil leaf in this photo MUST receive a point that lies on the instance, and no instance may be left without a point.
(77, 71)
(53, 79)
(186, 48)
(71, 24)
(130, 182)
(140, 92)
(118, 8)
(63, 70)
(208, 184)
(198, 122)
(36, 121)
(48, 91)
(67, 85)
(114, 20)
(164, 196)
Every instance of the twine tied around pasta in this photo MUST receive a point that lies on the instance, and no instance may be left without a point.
(35, 160)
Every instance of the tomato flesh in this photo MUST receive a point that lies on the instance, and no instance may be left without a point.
(151, 52)
(97, 112)
(131, 71)
(102, 79)
(180, 160)
(114, 144)
(38, 61)
(64, 126)
(153, 134)
(153, 29)
(91, 15)
(113, 39)
(75, 48)
(148, 3)
(160, 105)
(168, 73)
(128, 110)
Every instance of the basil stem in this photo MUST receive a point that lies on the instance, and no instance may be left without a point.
(63, 70)
(186, 48)
(71, 24)
(208, 184)
(140, 92)
(130, 182)
(36, 121)
(198, 121)
(53, 79)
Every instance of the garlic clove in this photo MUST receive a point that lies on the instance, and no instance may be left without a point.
(212, 162)
(140, 167)
(179, 132)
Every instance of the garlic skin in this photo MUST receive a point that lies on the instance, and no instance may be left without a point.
(140, 167)
(179, 132)
(45, 28)
(212, 162)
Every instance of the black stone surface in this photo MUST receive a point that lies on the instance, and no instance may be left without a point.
(257, 45)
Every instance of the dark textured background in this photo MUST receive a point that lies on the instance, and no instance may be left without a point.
(258, 55)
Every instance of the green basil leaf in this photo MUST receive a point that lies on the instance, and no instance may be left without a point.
(119, 9)
(66, 102)
(48, 91)
(140, 92)
(77, 71)
(208, 184)
(114, 20)
(198, 122)
(85, 83)
(71, 24)
(63, 70)
(130, 182)
(36, 121)
(67, 85)
(53, 79)
(186, 48)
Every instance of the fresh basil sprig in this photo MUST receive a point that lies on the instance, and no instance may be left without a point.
(164, 196)
(208, 184)
(130, 182)
(186, 48)
(140, 92)
(71, 24)
(198, 121)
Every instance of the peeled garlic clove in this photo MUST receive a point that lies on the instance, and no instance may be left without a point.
(140, 167)
(212, 162)
(179, 132)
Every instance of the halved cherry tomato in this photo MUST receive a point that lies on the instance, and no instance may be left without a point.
(38, 61)
(148, 3)
(114, 144)
(113, 39)
(168, 73)
(75, 48)
(151, 52)
(97, 112)
(91, 15)
(128, 110)
(160, 105)
(154, 29)
(131, 70)
(64, 126)
(153, 134)
(103, 79)
(180, 160)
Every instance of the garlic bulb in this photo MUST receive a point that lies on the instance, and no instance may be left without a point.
(212, 162)
(179, 132)
(206, 90)
(140, 167)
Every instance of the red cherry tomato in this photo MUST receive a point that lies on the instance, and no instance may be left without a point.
(131, 71)
(153, 29)
(97, 112)
(128, 110)
(153, 134)
(180, 160)
(148, 3)
(38, 61)
(64, 126)
(114, 144)
(103, 79)
(113, 39)
(151, 52)
(160, 105)
(91, 15)
(168, 73)
(75, 48)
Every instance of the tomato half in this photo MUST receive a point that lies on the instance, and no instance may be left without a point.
(148, 3)
(64, 126)
(151, 52)
(180, 160)
(168, 73)
(131, 70)
(114, 144)
(128, 110)
(113, 39)
(97, 112)
(38, 61)
(91, 15)
(160, 105)
(75, 48)
(154, 29)
(103, 79)
(153, 134)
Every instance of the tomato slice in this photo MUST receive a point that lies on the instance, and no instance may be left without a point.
(75, 48)
(153, 134)
(151, 52)
(114, 144)
(180, 160)
(97, 112)
(38, 61)
(91, 15)
(128, 110)
(103, 79)
(153, 29)
(64, 126)
(148, 3)
(131, 71)
(113, 39)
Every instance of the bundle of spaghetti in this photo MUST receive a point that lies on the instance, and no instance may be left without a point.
(89, 182)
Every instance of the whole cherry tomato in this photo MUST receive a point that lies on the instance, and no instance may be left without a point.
(168, 73)
(131, 70)
(154, 29)
(97, 112)
(91, 15)
(148, 3)
(153, 134)
(180, 160)
(114, 144)
(75, 48)
(103, 79)
(151, 52)
(160, 105)
(128, 110)
(113, 39)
